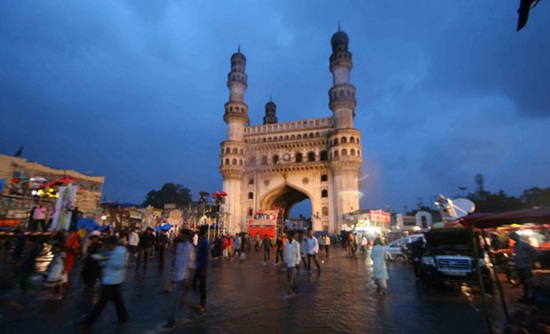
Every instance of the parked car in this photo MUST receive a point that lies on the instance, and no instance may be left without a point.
(449, 257)
(395, 248)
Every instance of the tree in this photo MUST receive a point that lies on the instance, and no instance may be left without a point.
(536, 197)
(168, 194)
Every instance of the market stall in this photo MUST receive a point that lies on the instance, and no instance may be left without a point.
(527, 318)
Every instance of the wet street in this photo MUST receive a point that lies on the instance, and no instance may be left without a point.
(250, 297)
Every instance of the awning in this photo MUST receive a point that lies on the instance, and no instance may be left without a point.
(494, 220)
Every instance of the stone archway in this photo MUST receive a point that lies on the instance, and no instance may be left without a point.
(285, 197)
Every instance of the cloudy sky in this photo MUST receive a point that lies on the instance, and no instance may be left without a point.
(134, 90)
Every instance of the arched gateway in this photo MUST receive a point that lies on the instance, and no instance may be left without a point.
(278, 165)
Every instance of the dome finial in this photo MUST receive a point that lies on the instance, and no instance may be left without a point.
(270, 98)
(239, 48)
(338, 25)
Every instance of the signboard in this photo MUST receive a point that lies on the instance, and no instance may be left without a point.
(380, 216)
(263, 222)
(265, 217)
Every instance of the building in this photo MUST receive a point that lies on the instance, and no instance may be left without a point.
(26, 183)
(277, 165)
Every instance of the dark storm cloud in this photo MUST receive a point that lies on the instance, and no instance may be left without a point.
(484, 56)
(134, 90)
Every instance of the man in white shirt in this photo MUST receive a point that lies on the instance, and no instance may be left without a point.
(113, 275)
(312, 250)
(133, 242)
(184, 264)
(292, 260)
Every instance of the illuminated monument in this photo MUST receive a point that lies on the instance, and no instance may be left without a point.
(277, 165)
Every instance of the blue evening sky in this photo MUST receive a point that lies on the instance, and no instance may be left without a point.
(134, 90)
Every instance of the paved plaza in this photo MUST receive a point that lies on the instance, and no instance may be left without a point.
(250, 297)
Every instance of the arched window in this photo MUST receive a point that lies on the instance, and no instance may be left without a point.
(324, 156)
(227, 161)
(250, 181)
(250, 195)
(344, 152)
(344, 140)
(336, 153)
(335, 141)
(234, 162)
(250, 212)
(264, 160)
(324, 193)
(275, 159)
(311, 135)
(299, 137)
(352, 140)
(317, 134)
(311, 156)
(240, 162)
(228, 150)
(287, 137)
(352, 152)
(299, 157)
(241, 151)
(235, 150)
(324, 178)
(292, 137)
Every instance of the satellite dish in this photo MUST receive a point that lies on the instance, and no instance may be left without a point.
(463, 207)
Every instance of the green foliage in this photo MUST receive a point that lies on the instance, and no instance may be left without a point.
(170, 193)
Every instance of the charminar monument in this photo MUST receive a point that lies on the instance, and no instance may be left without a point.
(277, 165)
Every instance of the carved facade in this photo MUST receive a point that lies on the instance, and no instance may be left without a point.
(278, 165)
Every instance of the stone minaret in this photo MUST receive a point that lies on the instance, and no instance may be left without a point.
(270, 113)
(233, 150)
(345, 141)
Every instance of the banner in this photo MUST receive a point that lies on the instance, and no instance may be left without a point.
(264, 217)
(65, 202)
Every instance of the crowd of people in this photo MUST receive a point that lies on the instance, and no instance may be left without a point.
(102, 257)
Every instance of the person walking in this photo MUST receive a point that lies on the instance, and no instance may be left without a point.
(302, 239)
(161, 245)
(113, 276)
(279, 249)
(322, 243)
(183, 265)
(364, 244)
(524, 257)
(133, 242)
(292, 261)
(378, 256)
(145, 247)
(417, 249)
(202, 264)
(91, 271)
(266, 243)
(72, 250)
(57, 275)
(312, 250)
(327, 245)
(237, 246)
